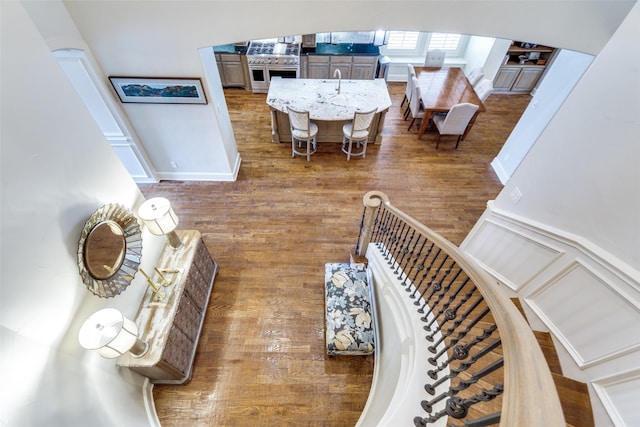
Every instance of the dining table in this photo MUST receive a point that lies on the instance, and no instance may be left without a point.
(441, 89)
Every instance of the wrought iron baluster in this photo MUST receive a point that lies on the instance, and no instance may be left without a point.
(431, 388)
(487, 420)
(465, 384)
(433, 276)
(457, 350)
(428, 405)
(377, 224)
(451, 316)
(442, 290)
(459, 408)
(398, 236)
(416, 258)
(421, 267)
(405, 249)
(426, 274)
(364, 210)
(391, 237)
(386, 226)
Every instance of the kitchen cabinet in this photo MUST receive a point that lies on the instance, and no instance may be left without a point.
(317, 67)
(232, 69)
(342, 63)
(364, 67)
(361, 67)
(172, 326)
(524, 65)
(505, 78)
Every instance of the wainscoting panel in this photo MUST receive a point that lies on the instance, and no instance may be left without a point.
(586, 297)
(515, 259)
(588, 315)
(620, 396)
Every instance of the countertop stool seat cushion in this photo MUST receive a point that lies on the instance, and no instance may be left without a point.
(349, 316)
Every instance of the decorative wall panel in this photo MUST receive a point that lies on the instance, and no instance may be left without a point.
(620, 395)
(608, 323)
(513, 258)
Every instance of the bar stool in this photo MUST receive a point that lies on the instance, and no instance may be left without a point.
(303, 131)
(357, 131)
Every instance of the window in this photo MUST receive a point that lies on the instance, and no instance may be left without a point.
(415, 43)
(405, 40)
(443, 41)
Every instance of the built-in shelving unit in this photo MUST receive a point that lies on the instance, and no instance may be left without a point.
(523, 66)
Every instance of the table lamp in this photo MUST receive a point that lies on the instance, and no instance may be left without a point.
(111, 334)
(160, 218)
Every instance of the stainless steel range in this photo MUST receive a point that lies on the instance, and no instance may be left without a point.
(267, 59)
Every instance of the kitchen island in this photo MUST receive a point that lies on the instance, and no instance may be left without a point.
(327, 108)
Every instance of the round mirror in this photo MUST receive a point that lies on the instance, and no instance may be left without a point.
(104, 249)
(109, 250)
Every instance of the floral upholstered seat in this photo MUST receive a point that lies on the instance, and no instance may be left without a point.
(349, 320)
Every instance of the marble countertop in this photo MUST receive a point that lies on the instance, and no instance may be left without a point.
(320, 98)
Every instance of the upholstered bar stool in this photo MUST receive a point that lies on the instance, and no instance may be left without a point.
(357, 132)
(303, 134)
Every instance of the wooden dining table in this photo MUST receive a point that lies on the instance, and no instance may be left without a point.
(441, 89)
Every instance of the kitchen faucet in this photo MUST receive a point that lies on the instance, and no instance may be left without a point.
(338, 73)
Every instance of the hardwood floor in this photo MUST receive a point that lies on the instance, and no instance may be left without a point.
(261, 358)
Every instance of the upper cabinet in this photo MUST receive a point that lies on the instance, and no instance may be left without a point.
(522, 68)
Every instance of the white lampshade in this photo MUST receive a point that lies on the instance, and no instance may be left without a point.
(158, 216)
(110, 334)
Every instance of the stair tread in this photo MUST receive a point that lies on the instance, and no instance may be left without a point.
(549, 350)
(518, 304)
(574, 398)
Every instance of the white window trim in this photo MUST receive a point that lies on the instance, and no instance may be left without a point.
(421, 48)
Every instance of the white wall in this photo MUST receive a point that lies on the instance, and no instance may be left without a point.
(559, 79)
(57, 168)
(569, 248)
(582, 174)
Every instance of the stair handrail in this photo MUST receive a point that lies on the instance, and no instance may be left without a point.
(530, 397)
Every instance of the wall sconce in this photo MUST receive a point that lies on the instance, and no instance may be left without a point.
(111, 334)
(160, 218)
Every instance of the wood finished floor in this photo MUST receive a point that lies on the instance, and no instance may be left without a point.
(261, 358)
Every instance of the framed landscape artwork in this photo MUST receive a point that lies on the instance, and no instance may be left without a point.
(159, 90)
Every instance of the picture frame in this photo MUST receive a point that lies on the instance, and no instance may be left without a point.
(159, 90)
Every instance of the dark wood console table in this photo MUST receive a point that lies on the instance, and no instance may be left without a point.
(173, 325)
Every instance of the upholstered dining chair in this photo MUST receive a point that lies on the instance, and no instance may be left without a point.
(303, 133)
(483, 89)
(475, 75)
(411, 72)
(434, 58)
(455, 122)
(415, 103)
(357, 132)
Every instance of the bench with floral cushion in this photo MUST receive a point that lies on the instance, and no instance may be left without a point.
(349, 315)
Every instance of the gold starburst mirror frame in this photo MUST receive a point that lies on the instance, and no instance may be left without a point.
(109, 250)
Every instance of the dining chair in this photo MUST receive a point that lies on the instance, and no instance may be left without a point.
(303, 131)
(483, 89)
(434, 58)
(357, 132)
(475, 75)
(415, 103)
(455, 122)
(411, 72)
